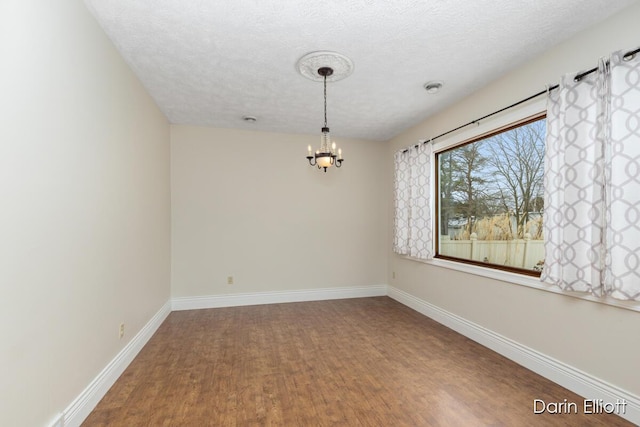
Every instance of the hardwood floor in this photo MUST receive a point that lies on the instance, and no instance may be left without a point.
(355, 362)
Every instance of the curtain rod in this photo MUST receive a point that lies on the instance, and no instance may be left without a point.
(628, 56)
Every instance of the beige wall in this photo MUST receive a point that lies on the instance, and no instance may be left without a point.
(248, 204)
(596, 338)
(84, 206)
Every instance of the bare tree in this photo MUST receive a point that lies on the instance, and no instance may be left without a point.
(517, 157)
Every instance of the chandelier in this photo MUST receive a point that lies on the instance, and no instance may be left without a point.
(323, 65)
(326, 156)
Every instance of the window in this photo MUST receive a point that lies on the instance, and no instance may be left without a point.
(490, 199)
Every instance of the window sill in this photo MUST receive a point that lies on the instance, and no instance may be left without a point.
(523, 280)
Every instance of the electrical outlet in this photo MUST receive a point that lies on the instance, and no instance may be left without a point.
(393, 275)
(229, 280)
(121, 330)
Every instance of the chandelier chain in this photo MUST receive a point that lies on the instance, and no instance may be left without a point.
(325, 101)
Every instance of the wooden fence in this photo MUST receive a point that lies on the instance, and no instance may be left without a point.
(521, 253)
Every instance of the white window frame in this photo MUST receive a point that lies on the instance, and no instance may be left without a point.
(503, 120)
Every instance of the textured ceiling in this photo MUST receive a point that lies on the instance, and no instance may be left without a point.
(211, 62)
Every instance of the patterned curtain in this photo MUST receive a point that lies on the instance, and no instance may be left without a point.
(412, 219)
(592, 181)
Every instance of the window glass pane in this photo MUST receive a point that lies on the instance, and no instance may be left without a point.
(490, 199)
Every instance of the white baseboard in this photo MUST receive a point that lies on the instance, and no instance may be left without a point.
(82, 406)
(567, 376)
(235, 300)
(57, 421)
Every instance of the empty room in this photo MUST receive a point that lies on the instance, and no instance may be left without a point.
(287, 213)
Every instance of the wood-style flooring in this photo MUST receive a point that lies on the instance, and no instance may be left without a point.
(354, 362)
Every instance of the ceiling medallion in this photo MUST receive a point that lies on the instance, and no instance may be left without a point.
(309, 65)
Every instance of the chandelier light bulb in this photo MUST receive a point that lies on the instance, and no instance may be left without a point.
(324, 162)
